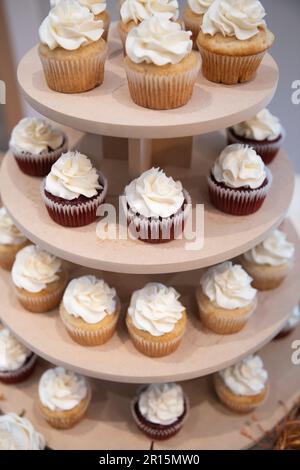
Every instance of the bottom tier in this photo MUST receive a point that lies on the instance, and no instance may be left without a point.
(209, 426)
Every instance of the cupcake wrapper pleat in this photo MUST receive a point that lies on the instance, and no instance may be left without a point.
(154, 348)
(75, 75)
(229, 70)
(21, 374)
(38, 165)
(225, 326)
(238, 202)
(41, 304)
(162, 92)
(267, 150)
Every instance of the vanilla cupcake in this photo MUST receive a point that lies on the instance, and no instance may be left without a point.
(17, 433)
(134, 12)
(36, 145)
(269, 262)
(98, 8)
(233, 40)
(157, 207)
(226, 298)
(292, 323)
(90, 310)
(72, 50)
(156, 320)
(263, 132)
(64, 397)
(73, 190)
(161, 67)
(39, 279)
(193, 17)
(160, 410)
(239, 181)
(16, 361)
(244, 386)
(11, 240)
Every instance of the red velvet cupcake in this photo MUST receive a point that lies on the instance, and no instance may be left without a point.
(74, 190)
(239, 181)
(160, 410)
(16, 361)
(37, 145)
(263, 132)
(156, 207)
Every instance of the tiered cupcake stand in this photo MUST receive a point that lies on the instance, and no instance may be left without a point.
(131, 139)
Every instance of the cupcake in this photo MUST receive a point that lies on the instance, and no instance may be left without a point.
(292, 323)
(134, 12)
(193, 17)
(73, 190)
(156, 320)
(226, 299)
(17, 433)
(98, 8)
(160, 65)
(11, 240)
(244, 386)
(263, 132)
(156, 207)
(39, 279)
(16, 361)
(233, 40)
(269, 262)
(160, 410)
(239, 181)
(72, 50)
(90, 310)
(64, 397)
(36, 145)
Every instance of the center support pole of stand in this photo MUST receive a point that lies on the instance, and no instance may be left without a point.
(139, 156)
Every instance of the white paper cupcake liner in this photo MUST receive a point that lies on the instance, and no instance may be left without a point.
(238, 202)
(156, 230)
(41, 304)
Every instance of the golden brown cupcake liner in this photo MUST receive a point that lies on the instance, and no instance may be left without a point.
(161, 91)
(74, 75)
(87, 337)
(229, 70)
(222, 325)
(21, 374)
(266, 277)
(41, 303)
(154, 348)
(238, 404)
(163, 433)
(76, 215)
(38, 164)
(238, 202)
(7, 257)
(267, 150)
(158, 230)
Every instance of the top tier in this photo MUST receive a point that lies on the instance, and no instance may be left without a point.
(109, 110)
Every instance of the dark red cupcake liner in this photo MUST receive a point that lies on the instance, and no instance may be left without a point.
(21, 374)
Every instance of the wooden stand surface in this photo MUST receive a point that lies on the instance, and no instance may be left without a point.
(209, 426)
(225, 236)
(201, 352)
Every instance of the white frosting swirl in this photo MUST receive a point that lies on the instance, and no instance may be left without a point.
(246, 378)
(263, 126)
(274, 251)
(199, 7)
(228, 286)
(155, 309)
(17, 433)
(154, 194)
(34, 269)
(71, 176)
(240, 166)
(9, 234)
(70, 25)
(158, 41)
(239, 18)
(140, 10)
(35, 136)
(62, 390)
(95, 6)
(162, 403)
(293, 321)
(90, 298)
(13, 354)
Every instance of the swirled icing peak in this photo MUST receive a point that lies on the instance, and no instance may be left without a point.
(140, 10)
(9, 234)
(13, 354)
(95, 6)
(17, 433)
(162, 404)
(34, 135)
(275, 250)
(263, 126)
(199, 7)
